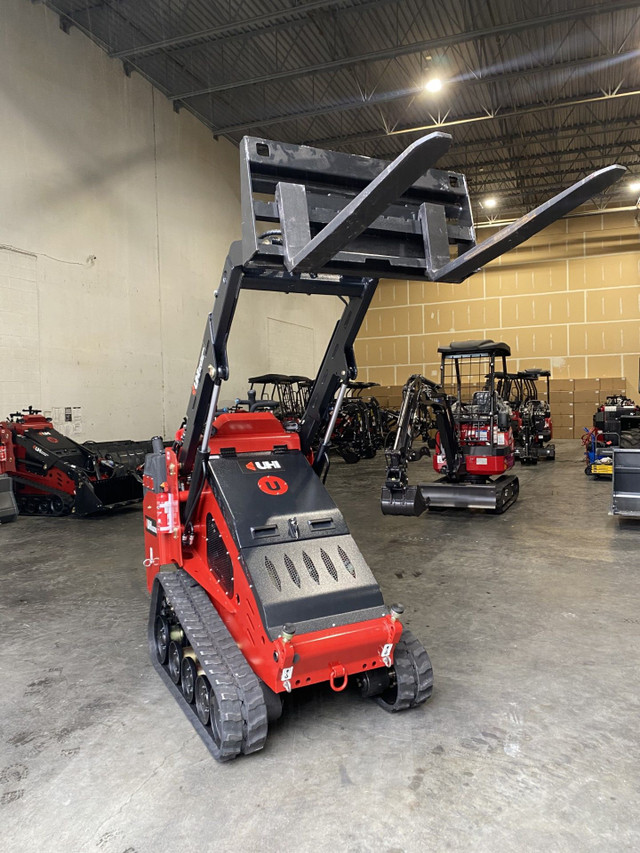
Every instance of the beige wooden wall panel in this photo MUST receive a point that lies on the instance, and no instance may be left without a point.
(567, 300)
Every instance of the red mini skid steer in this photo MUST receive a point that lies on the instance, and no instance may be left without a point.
(257, 587)
(54, 475)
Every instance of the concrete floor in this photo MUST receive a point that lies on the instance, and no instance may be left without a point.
(530, 741)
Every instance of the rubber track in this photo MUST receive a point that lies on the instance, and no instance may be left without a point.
(254, 711)
(195, 609)
(514, 497)
(214, 667)
(414, 674)
(422, 669)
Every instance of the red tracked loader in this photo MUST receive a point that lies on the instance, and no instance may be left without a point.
(257, 587)
(53, 475)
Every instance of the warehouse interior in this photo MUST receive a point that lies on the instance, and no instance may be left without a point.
(124, 181)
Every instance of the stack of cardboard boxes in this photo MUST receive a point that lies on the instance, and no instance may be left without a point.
(389, 396)
(574, 402)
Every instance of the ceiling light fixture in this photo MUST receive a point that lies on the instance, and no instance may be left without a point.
(634, 186)
(433, 85)
(490, 202)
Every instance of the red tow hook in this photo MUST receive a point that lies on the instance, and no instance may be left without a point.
(338, 672)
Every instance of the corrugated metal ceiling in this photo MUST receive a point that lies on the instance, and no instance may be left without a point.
(536, 93)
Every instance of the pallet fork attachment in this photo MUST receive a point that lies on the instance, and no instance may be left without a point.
(285, 579)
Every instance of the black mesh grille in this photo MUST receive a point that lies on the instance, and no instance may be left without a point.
(313, 572)
(217, 558)
(273, 574)
(293, 572)
(329, 564)
(347, 562)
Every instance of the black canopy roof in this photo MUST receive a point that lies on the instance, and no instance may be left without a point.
(472, 348)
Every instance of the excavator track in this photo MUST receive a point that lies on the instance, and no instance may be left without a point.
(183, 615)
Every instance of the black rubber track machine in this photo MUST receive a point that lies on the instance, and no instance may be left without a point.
(531, 416)
(257, 587)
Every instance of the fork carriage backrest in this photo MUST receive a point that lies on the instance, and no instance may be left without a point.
(298, 190)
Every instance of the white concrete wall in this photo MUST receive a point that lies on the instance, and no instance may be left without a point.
(115, 218)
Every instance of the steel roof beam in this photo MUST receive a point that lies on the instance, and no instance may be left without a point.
(583, 155)
(387, 97)
(626, 123)
(415, 47)
(498, 115)
(258, 23)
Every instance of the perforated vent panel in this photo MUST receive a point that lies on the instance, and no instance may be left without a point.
(347, 562)
(328, 562)
(313, 572)
(293, 572)
(218, 559)
(273, 574)
(320, 583)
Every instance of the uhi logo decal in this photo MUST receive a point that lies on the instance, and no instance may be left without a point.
(196, 378)
(264, 465)
(273, 485)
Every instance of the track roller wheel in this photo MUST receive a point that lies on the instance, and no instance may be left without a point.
(217, 723)
(57, 505)
(188, 676)
(161, 636)
(175, 661)
(411, 676)
(203, 699)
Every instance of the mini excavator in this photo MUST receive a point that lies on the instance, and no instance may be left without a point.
(474, 440)
(257, 587)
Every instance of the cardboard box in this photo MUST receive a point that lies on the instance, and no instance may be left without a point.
(586, 385)
(583, 416)
(582, 398)
(612, 385)
(561, 421)
(562, 432)
(561, 385)
(561, 400)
